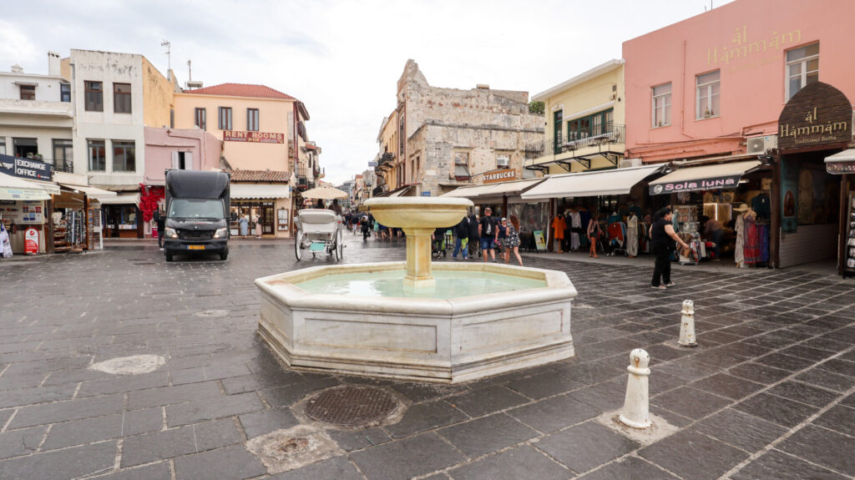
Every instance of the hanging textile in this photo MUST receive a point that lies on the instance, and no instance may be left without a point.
(752, 242)
(575, 228)
(739, 250)
(763, 231)
(632, 236)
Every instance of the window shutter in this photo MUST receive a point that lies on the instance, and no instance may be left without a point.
(175, 164)
(188, 161)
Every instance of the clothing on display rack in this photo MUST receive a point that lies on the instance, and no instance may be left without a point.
(632, 235)
(762, 206)
(558, 227)
(575, 229)
(751, 251)
(5, 244)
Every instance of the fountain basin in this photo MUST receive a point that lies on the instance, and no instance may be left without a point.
(418, 337)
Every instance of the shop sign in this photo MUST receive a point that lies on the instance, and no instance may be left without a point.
(25, 168)
(499, 176)
(31, 241)
(253, 137)
(539, 241)
(789, 195)
(425, 194)
(727, 182)
(818, 114)
(840, 168)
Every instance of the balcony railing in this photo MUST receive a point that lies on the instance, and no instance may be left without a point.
(610, 134)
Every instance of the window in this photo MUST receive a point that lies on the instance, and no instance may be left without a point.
(63, 154)
(802, 68)
(124, 157)
(122, 97)
(461, 166)
(94, 97)
(28, 92)
(201, 118)
(590, 126)
(2, 146)
(26, 147)
(252, 119)
(662, 105)
(502, 161)
(171, 118)
(707, 101)
(225, 118)
(97, 156)
(65, 92)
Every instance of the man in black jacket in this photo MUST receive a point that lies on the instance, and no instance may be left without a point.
(474, 236)
(461, 231)
(160, 220)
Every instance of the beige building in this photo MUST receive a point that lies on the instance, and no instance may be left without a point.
(265, 146)
(448, 137)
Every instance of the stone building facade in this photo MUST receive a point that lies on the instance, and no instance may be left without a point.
(452, 137)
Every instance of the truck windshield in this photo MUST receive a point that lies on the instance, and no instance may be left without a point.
(189, 208)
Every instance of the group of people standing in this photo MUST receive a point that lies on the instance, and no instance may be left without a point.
(485, 234)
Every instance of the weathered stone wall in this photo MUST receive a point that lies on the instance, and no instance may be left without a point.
(482, 122)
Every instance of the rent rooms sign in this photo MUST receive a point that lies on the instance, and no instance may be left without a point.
(253, 137)
(818, 115)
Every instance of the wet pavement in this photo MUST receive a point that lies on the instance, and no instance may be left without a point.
(768, 393)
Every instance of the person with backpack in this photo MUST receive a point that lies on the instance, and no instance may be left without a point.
(461, 238)
(488, 234)
(365, 222)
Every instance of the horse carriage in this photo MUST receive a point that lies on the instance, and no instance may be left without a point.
(319, 230)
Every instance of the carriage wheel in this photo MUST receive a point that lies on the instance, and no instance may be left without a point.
(298, 245)
(339, 246)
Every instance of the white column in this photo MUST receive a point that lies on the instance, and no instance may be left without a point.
(687, 326)
(636, 408)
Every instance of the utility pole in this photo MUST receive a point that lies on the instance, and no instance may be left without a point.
(189, 72)
(168, 46)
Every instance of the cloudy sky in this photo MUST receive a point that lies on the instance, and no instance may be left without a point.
(343, 58)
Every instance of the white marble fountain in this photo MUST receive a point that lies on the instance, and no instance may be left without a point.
(447, 322)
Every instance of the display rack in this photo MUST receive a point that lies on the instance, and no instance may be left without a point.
(849, 257)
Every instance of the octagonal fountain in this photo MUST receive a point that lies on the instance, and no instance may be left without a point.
(447, 322)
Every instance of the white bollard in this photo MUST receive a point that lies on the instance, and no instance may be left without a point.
(687, 326)
(636, 408)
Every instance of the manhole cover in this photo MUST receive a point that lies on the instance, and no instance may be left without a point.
(351, 406)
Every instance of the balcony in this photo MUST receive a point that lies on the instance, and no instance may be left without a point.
(580, 146)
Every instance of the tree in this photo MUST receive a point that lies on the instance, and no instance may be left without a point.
(537, 108)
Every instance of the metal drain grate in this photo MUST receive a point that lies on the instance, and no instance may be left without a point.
(351, 406)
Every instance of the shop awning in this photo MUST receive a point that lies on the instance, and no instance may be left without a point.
(121, 199)
(591, 184)
(13, 188)
(50, 187)
(494, 190)
(841, 163)
(399, 193)
(702, 177)
(91, 192)
(259, 190)
(468, 192)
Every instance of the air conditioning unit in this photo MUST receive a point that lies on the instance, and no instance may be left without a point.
(630, 162)
(503, 161)
(761, 145)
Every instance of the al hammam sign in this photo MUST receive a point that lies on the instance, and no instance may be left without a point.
(818, 114)
(252, 137)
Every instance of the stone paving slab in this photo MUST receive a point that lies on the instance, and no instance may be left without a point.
(769, 392)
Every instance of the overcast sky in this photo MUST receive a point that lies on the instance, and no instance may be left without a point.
(343, 58)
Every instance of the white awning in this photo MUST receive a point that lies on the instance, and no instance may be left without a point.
(13, 188)
(50, 187)
(591, 184)
(703, 177)
(259, 190)
(91, 192)
(513, 188)
(399, 193)
(844, 156)
(468, 192)
(121, 199)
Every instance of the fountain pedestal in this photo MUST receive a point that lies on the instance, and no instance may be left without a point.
(418, 258)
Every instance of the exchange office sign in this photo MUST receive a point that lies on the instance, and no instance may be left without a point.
(498, 176)
(818, 114)
(25, 168)
(253, 137)
(726, 182)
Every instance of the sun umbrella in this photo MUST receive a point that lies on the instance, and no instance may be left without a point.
(324, 193)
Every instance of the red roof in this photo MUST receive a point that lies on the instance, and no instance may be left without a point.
(241, 90)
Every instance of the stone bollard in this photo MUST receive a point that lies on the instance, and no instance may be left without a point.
(636, 408)
(687, 326)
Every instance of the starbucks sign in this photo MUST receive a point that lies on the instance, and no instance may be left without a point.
(818, 114)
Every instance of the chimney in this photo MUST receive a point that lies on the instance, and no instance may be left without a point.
(482, 86)
(17, 69)
(53, 64)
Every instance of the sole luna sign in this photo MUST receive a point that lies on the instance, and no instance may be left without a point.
(727, 182)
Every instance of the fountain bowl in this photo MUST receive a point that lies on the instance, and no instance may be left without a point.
(450, 340)
(419, 212)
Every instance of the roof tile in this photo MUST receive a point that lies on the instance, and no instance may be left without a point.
(260, 176)
(241, 90)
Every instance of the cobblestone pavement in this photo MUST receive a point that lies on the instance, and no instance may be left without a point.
(767, 394)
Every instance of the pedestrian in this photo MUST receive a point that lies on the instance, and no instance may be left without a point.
(320, 204)
(662, 238)
(594, 234)
(160, 221)
(487, 232)
(257, 226)
(244, 225)
(461, 238)
(501, 236)
(714, 232)
(512, 240)
(474, 236)
(335, 207)
(366, 228)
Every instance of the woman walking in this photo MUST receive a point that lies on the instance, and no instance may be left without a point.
(244, 225)
(594, 234)
(512, 239)
(662, 238)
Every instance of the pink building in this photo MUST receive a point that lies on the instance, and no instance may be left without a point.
(746, 102)
(702, 86)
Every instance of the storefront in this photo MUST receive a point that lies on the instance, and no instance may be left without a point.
(815, 195)
(25, 194)
(121, 216)
(264, 204)
(712, 191)
(576, 198)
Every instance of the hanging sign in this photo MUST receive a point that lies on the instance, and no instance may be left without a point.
(818, 114)
(25, 168)
(726, 182)
(31, 241)
(253, 137)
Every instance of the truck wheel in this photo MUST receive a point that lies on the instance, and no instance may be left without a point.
(168, 257)
(224, 256)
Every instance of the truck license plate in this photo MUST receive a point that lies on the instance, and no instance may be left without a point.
(195, 247)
